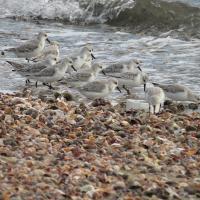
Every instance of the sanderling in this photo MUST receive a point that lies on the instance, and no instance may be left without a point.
(86, 66)
(132, 66)
(100, 88)
(83, 59)
(31, 68)
(131, 79)
(178, 92)
(82, 77)
(52, 73)
(155, 97)
(52, 49)
(89, 48)
(31, 48)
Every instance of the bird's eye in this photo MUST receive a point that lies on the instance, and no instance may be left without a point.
(55, 59)
(115, 82)
(45, 35)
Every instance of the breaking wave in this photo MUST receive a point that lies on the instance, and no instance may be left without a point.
(163, 15)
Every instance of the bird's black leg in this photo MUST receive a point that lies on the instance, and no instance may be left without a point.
(127, 90)
(154, 109)
(27, 60)
(50, 87)
(27, 81)
(160, 107)
(149, 109)
(36, 84)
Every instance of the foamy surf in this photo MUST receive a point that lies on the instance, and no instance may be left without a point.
(147, 15)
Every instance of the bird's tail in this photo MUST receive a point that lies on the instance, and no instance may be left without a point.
(156, 84)
(15, 65)
(10, 62)
(7, 50)
(10, 49)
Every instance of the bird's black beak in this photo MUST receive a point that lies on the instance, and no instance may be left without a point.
(145, 87)
(93, 57)
(48, 40)
(119, 89)
(103, 73)
(139, 68)
(73, 68)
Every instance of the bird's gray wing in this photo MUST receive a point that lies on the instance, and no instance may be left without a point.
(129, 75)
(94, 86)
(79, 77)
(114, 68)
(17, 65)
(173, 88)
(50, 51)
(125, 75)
(27, 47)
(49, 71)
(33, 69)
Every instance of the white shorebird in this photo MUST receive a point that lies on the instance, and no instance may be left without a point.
(52, 49)
(31, 48)
(86, 67)
(82, 77)
(84, 58)
(89, 48)
(132, 66)
(178, 92)
(131, 79)
(53, 73)
(98, 89)
(155, 96)
(31, 68)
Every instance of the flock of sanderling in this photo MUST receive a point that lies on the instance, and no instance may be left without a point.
(44, 65)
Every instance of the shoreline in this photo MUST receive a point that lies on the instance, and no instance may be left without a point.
(60, 150)
(137, 29)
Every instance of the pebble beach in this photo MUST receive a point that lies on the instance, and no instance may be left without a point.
(58, 149)
(99, 100)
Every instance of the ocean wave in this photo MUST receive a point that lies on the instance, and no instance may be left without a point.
(164, 15)
(161, 15)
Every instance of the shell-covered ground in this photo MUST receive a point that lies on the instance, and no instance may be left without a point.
(60, 150)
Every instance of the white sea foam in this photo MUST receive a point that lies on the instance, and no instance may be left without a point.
(73, 11)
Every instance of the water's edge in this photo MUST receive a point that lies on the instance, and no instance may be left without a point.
(165, 59)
